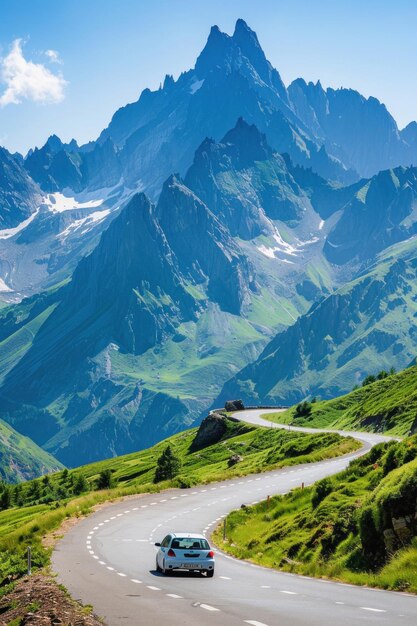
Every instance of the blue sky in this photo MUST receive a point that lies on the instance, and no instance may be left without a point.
(109, 50)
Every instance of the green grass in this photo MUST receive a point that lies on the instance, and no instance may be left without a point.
(388, 405)
(340, 527)
(46, 502)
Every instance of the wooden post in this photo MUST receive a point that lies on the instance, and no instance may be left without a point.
(224, 529)
(268, 498)
(302, 485)
(29, 560)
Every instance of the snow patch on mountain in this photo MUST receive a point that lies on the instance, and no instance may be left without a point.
(3, 286)
(11, 232)
(58, 203)
(86, 222)
(196, 85)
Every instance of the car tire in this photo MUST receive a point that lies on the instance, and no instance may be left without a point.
(166, 572)
(210, 573)
(158, 569)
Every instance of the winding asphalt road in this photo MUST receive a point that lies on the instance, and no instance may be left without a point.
(108, 560)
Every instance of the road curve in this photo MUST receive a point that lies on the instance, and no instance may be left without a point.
(108, 560)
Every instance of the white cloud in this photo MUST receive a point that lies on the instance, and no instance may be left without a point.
(27, 80)
(53, 56)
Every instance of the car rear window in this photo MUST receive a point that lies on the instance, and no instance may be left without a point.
(190, 543)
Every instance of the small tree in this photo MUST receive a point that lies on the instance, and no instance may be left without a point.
(80, 484)
(303, 409)
(46, 480)
(369, 380)
(167, 466)
(34, 491)
(5, 498)
(105, 480)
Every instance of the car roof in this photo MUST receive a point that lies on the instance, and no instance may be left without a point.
(187, 535)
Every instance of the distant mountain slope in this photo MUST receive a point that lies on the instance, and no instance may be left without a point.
(21, 458)
(362, 327)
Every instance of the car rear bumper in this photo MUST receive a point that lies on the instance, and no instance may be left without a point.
(190, 564)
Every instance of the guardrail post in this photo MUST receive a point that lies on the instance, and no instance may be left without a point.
(29, 560)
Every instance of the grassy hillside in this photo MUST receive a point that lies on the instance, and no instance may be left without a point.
(358, 526)
(388, 405)
(39, 506)
(21, 458)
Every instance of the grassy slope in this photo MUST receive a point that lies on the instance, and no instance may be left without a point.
(388, 405)
(334, 536)
(21, 458)
(45, 506)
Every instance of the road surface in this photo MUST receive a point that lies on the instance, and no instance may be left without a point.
(108, 560)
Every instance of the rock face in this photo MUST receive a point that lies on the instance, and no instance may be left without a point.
(211, 430)
(379, 214)
(245, 183)
(19, 195)
(234, 405)
(204, 248)
(357, 130)
(57, 166)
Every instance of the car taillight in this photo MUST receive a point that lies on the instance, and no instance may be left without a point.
(171, 552)
(211, 554)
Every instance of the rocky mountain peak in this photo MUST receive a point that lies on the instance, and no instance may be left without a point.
(251, 145)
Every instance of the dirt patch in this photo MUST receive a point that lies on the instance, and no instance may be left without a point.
(38, 601)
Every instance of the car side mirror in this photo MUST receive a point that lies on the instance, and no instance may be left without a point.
(158, 545)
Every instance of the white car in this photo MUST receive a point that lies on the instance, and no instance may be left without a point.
(185, 551)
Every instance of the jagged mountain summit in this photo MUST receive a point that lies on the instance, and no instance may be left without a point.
(338, 132)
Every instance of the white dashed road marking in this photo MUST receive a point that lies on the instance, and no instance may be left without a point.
(173, 595)
(368, 608)
(208, 607)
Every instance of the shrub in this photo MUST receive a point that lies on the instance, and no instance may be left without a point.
(369, 380)
(5, 498)
(167, 466)
(303, 409)
(80, 484)
(105, 480)
(322, 489)
(372, 545)
(390, 462)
